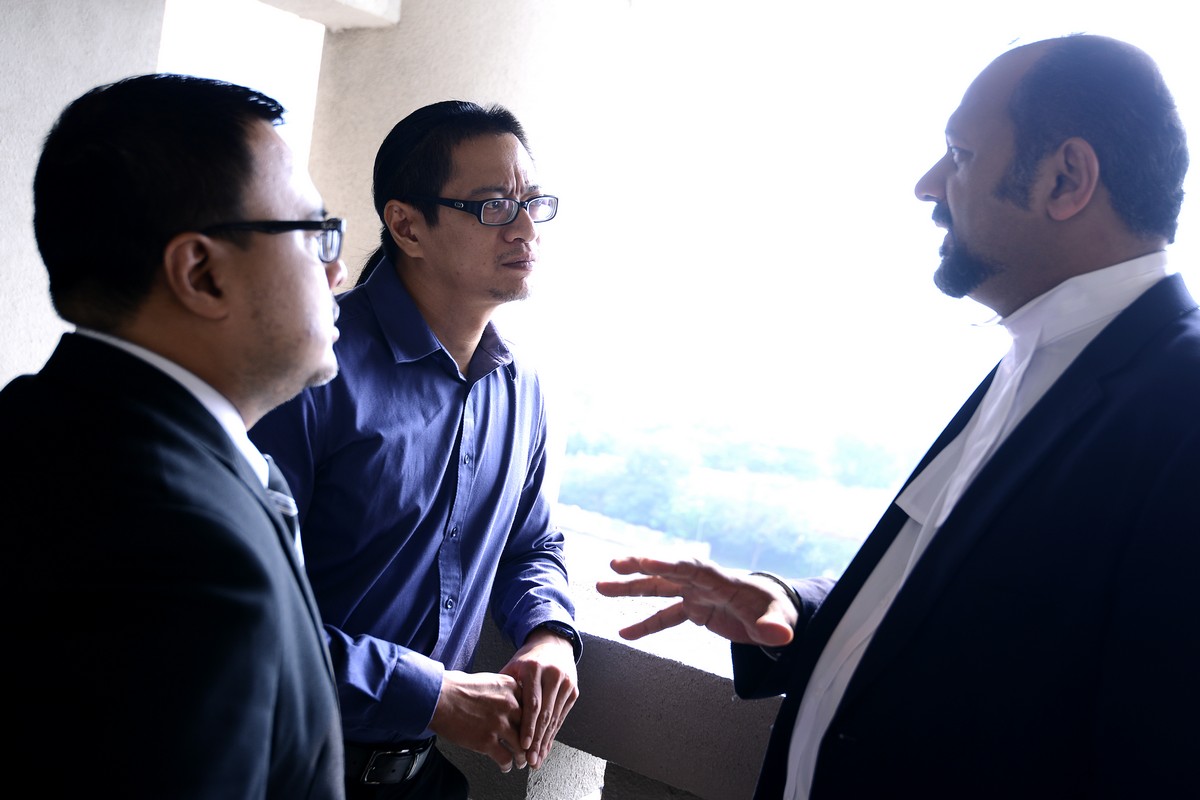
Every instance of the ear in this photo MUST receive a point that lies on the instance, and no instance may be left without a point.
(191, 276)
(402, 221)
(1076, 172)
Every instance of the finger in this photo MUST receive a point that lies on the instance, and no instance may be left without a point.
(565, 701)
(692, 571)
(659, 621)
(531, 708)
(639, 587)
(538, 756)
(503, 759)
(772, 629)
(507, 757)
(628, 565)
(546, 728)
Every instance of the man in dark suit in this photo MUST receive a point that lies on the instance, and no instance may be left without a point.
(163, 640)
(1022, 620)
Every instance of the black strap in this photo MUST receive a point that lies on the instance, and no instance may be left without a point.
(390, 764)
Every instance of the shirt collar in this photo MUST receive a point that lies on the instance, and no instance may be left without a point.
(217, 404)
(1086, 300)
(411, 338)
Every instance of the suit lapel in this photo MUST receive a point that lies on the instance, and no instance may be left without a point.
(79, 360)
(237, 463)
(1079, 389)
(827, 617)
(217, 442)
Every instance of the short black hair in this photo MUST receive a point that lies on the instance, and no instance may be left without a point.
(1112, 95)
(126, 167)
(415, 159)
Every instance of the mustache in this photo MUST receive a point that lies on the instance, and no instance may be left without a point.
(518, 254)
(941, 215)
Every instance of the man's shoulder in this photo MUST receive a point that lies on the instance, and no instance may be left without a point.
(1174, 341)
(19, 393)
(1159, 332)
(126, 468)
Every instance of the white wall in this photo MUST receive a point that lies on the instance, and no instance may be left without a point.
(254, 44)
(537, 57)
(50, 53)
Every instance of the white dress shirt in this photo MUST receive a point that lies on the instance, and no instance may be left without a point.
(1047, 335)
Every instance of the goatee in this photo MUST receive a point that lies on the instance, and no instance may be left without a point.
(961, 271)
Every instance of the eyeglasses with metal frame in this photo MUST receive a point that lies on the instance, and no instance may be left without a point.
(501, 210)
(330, 232)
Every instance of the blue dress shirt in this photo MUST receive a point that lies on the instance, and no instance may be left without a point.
(421, 502)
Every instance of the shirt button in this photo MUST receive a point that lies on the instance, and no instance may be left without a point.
(449, 602)
(466, 459)
(454, 533)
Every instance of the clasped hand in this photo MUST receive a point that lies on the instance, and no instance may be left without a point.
(736, 605)
(514, 715)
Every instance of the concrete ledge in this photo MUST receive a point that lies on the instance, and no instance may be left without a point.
(568, 774)
(674, 725)
(621, 784)
(338, 15)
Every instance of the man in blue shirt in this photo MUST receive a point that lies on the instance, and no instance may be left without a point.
(419, 471)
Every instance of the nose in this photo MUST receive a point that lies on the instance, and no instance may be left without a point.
(335, 273)
(932, 185)
(522, 228)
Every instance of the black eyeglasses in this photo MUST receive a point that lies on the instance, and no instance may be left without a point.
(329, 232)
(502, 210)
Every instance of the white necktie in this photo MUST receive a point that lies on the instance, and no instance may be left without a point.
(989, 426)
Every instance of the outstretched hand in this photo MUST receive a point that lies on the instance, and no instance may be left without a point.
(743, 608)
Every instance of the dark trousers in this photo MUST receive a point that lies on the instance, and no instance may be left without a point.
(437, 780)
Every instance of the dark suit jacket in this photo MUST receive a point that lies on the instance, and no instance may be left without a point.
(162, 640)
(1047, 645)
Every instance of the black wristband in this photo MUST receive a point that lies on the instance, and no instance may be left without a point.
(559, 629)
(774, 653)
(792, 594)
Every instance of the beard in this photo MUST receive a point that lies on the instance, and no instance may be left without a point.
(961, 271)
(510, 295)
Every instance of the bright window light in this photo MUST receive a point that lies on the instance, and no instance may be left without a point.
(745, 348)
